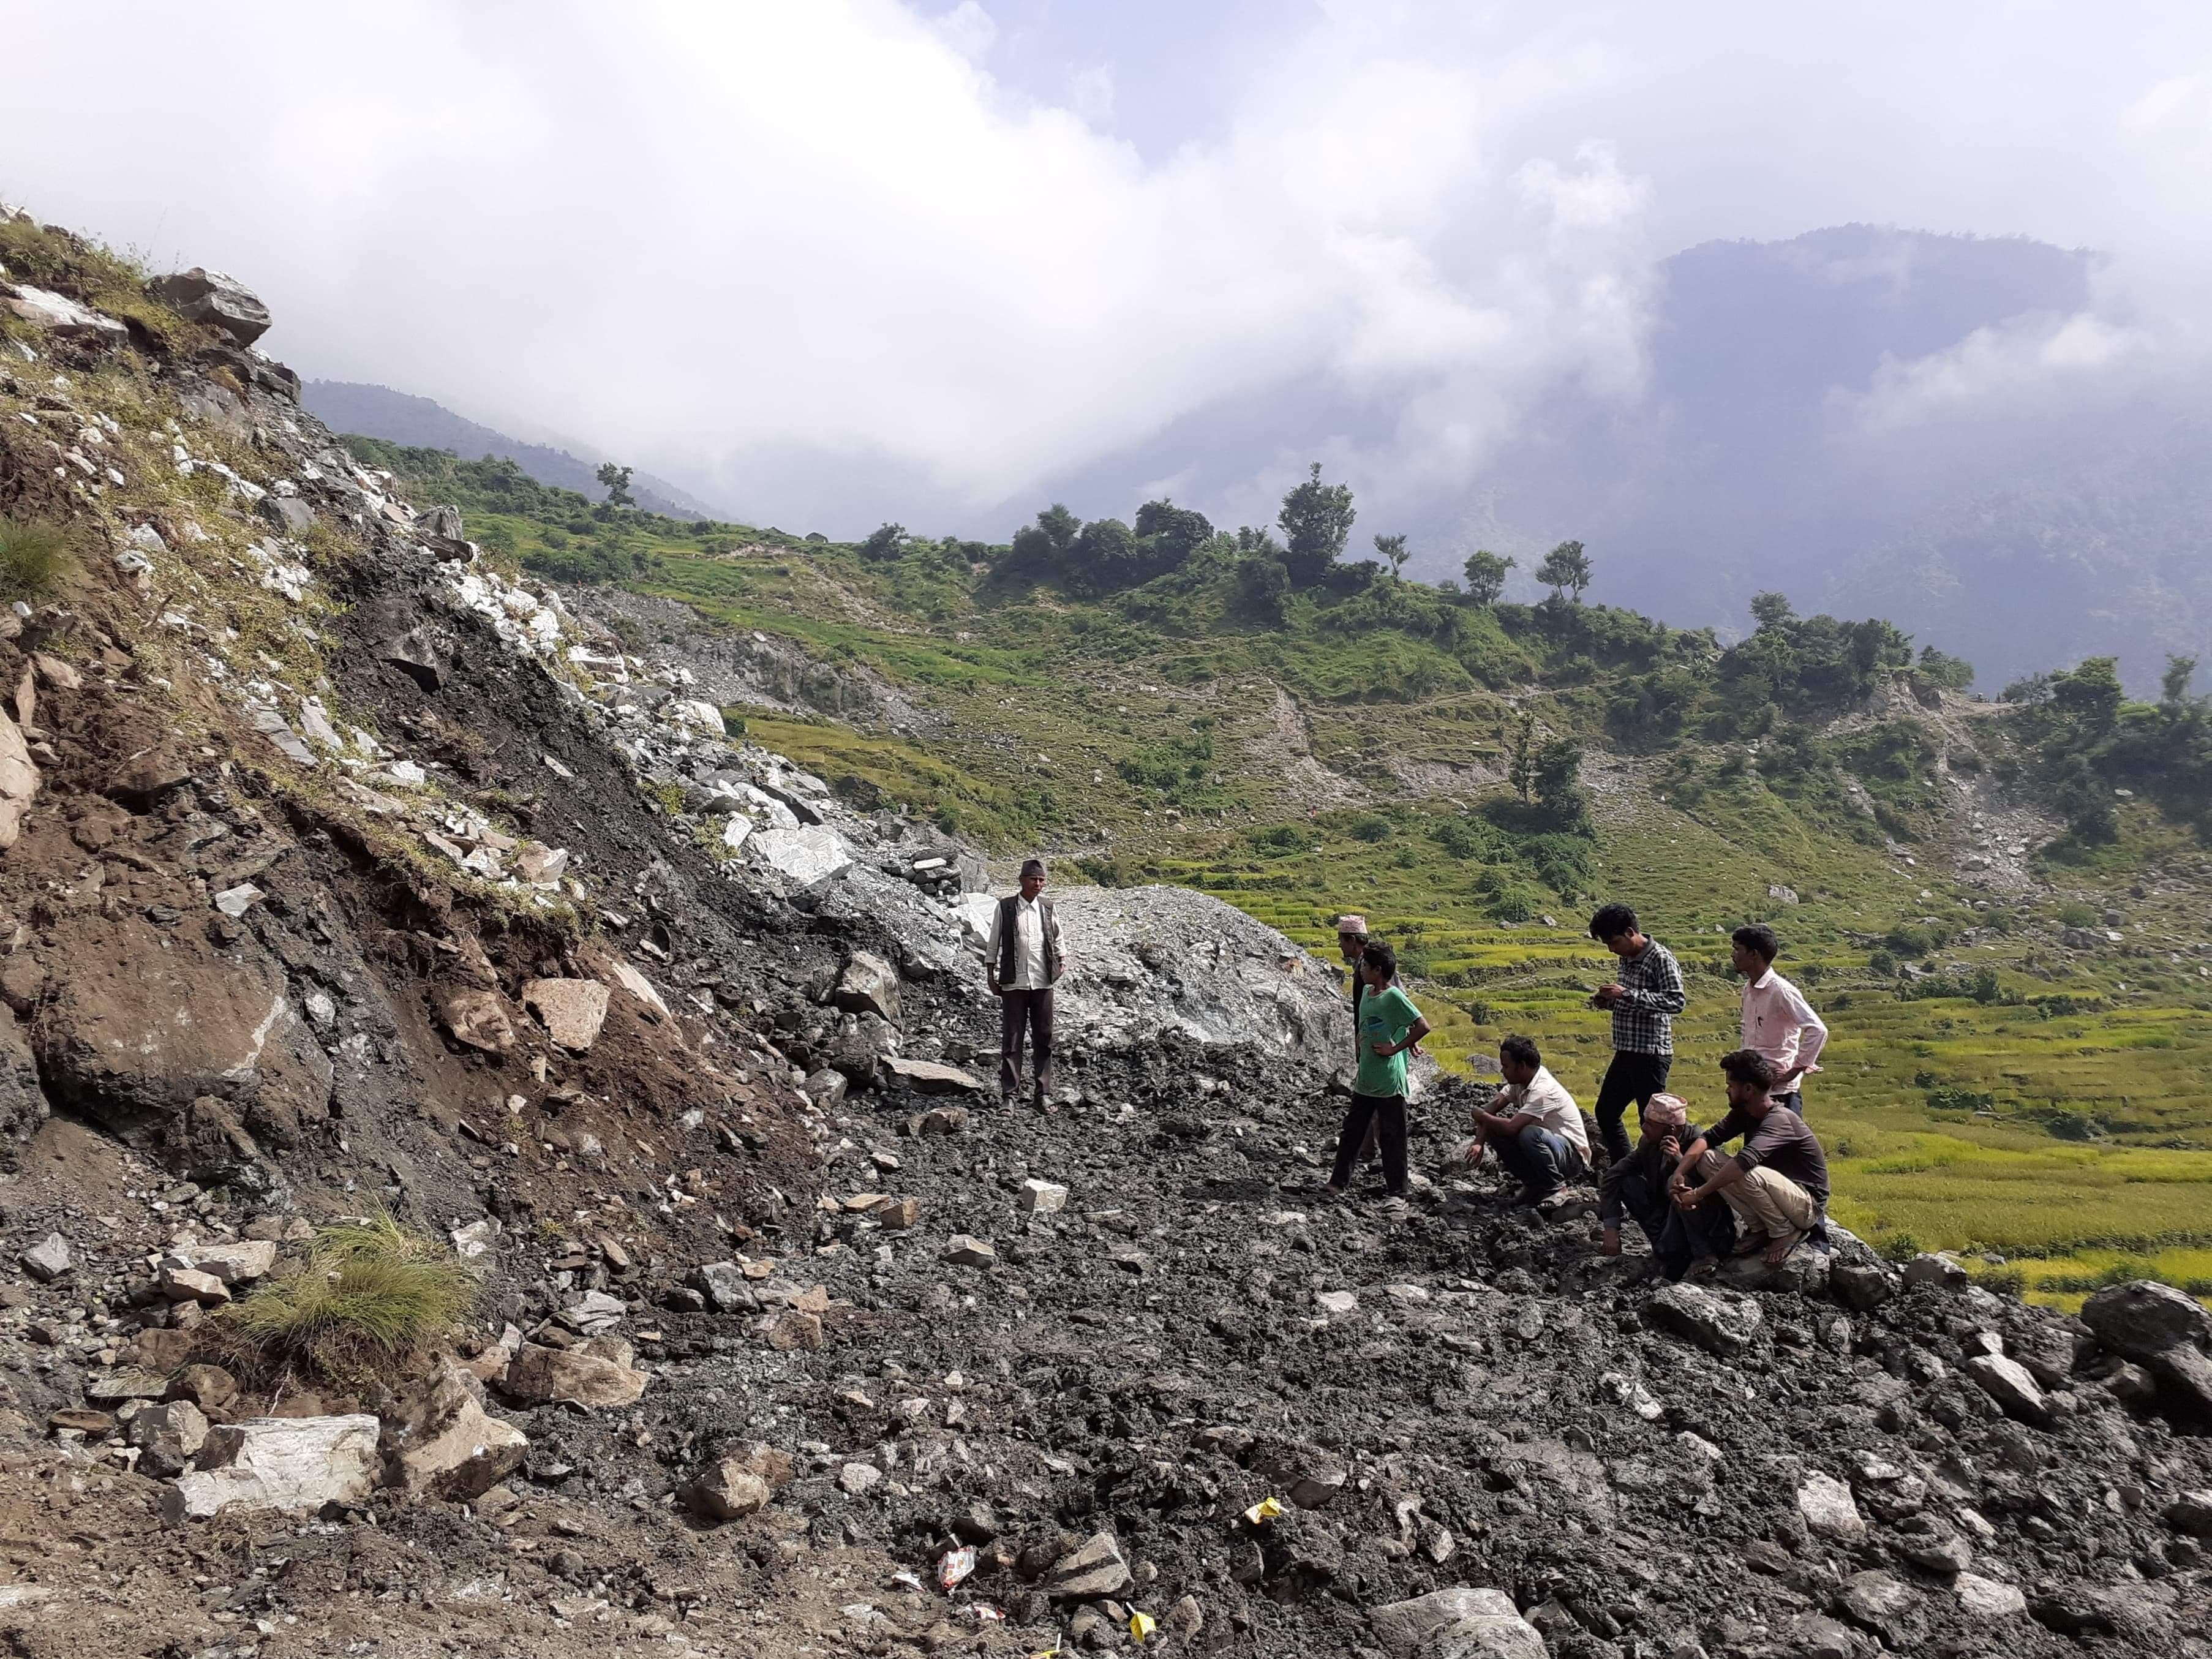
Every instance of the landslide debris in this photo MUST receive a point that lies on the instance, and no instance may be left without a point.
(354, 877)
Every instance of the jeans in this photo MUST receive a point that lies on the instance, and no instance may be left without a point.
(1543, 1160)
(1631, 1077)
(1794, 1100)
(1025, 1012)
(1639, 1186)
(1387, 1114)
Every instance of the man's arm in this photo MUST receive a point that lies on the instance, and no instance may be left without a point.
(1812, 1035)
(991, 948)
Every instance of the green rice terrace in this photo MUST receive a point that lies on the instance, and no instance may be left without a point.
(2000, 907)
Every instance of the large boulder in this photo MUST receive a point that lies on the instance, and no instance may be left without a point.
(804, 856)
(112, 1045)
(1093, 1569)
(929, 1077)
(2009, 1384)
(1465, 1623)
(438, 1440)
(869, 984)
(597, 1374)
(1720, 1322)
(294, 1465)
(2144, 1317)
(234, 1261)
(573, 1009)
(220, 303)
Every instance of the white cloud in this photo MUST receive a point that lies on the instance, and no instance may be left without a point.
(796, 254)
(2001, 371)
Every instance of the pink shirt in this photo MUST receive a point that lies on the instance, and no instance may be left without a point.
(1778, 1023)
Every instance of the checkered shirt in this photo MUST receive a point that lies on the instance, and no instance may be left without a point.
(1643, 1019)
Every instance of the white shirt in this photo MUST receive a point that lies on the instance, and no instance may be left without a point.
(1778, 1023)
(1546, 1099)
(1029, 946)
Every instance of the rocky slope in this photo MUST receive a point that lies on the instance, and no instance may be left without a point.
(348, 876)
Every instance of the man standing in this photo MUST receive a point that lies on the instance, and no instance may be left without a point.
(1389, 1024)
(1024, 958)
(1644, 1002)
(1638, 1185)
(1778, 1021)
(1537, 1127)
(1778, 1185)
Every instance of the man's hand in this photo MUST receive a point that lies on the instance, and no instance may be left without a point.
(1608, 995)
(1686, 1196)
(1387, 1049)
(997, 990)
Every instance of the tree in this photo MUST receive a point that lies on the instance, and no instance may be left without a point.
(2174, 684)
(1170, 534)
(1393, 549)
(1566, 567)
(1316, 521)
(1108, 558)
(887, 541)
(616, 479)
(1485, 576)
(1772, 610)
(1262, 584)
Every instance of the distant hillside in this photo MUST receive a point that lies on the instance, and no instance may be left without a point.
(377, 411)
(2021, 532)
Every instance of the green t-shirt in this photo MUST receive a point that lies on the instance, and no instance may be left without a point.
(1384, 1017)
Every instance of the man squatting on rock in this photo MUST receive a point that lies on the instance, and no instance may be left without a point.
(1778, 1021)
(1537, 1129)
(1644, 1002)
(1024, 958)
(1389, 1024)
(1639, 1184)
(1778, 1185)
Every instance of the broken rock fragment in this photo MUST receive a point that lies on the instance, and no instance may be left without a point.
(477, 1018)
(168, 1436)
(1481, 1624)
(295, 1465)
(1723, 1323)
(868, 985)
(1087, 1573)
(597, 1374)
(1828, 1509)
(215, 301)
(49, 1259)
(573, 1009)
(438, 1439)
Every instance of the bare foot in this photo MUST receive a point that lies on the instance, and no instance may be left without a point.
(1778, 1249)
(1750, 1244)
(1609, 1242)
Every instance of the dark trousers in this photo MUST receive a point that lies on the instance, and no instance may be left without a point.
(1794, 1099)
(1025, 1014)
(1387, 1114)
(1678, 1235)
(1630, 1079)
(1542, 1160)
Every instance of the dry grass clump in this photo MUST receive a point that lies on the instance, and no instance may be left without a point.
(36, 557)
(370, 1293)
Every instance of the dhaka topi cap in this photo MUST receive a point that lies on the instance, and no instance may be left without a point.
(1032, 868)
(1666, 1111)
(1352, 925)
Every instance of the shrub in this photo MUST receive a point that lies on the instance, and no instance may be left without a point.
(2075, 913)
(1901, 1247)
(2006, 1280)
(36, 556)
(1371, 829)
(370, 1292)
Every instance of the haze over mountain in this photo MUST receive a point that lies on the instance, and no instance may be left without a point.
(399, 417)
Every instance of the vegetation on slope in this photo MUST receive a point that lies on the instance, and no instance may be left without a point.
(1247, 712)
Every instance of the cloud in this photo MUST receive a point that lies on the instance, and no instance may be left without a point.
(2030, 360)
(824, 263)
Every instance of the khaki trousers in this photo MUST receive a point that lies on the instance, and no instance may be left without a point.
(1764, 1201)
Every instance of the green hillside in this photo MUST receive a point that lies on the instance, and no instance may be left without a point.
(1254, 717)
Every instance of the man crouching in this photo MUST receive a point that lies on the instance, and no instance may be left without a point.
(1537, 1129)
(1778, 1185)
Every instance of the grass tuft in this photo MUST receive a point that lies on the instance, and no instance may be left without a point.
(36, 557)
(370, 1292)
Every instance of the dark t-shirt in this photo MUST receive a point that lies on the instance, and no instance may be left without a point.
(1781, 1142)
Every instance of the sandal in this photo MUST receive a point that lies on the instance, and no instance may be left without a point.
(1751, 1244)
(1779, 1249)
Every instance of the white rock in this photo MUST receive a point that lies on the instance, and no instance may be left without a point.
(803, 856)
(1477, 1624)
(292, 1464)
(1043, 1197)
(1985, 1598)
(1336, 1302)
(237, 901)
(240, 1261)
(1829, 1509)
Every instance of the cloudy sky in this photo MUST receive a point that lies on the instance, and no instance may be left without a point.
(833, 262)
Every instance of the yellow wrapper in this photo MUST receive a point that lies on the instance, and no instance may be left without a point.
(1266, 1509)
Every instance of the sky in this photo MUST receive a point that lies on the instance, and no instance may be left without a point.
(851, 260)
